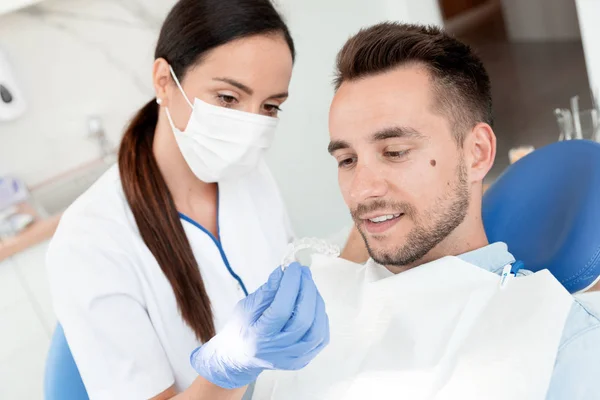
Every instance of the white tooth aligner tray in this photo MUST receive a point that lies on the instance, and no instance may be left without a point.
(316, 245)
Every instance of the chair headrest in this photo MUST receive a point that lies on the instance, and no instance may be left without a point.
(546, 207)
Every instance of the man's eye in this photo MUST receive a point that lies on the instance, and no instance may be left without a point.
(396, 154)
(346, 162)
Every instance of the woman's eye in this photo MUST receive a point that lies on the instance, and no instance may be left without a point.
(272, 109)
(226, 100)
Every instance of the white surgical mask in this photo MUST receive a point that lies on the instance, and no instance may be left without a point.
(220, 143)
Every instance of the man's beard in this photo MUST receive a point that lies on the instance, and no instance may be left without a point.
(448, 213)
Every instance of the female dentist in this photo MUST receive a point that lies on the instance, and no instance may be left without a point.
(159, 256)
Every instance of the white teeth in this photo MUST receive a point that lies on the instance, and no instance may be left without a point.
(384, 218)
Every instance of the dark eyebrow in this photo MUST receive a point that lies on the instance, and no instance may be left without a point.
(235, 83)
(396, 132)
(281, 95)
(336, 145)
(247, 89)
(388, 133)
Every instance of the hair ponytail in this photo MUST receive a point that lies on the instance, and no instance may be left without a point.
(158, 221)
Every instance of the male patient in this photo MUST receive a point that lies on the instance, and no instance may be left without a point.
(410, 128)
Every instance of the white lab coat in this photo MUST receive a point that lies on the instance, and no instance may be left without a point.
(118, 309)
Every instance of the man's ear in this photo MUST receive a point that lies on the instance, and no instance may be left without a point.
(480, 151)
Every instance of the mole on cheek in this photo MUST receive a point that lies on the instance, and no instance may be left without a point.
(433, 163)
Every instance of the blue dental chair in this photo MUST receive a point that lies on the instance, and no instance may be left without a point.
(546, 207)
(62, 380)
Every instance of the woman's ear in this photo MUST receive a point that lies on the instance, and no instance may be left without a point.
(161, 76)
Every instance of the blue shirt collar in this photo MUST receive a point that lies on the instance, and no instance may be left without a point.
(492, 257)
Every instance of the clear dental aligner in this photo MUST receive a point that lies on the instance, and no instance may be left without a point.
(317, 246)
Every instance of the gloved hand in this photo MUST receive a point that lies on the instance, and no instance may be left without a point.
(283, 325)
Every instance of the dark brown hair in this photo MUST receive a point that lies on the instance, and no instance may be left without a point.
(461, 83)
(192, 28)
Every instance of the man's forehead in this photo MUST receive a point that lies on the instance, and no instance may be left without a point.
(399, 97)
(410, 78)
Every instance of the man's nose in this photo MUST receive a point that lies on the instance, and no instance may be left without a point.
(367, 183)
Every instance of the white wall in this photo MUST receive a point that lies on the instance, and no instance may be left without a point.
(541, 20)
(12, 5)
(422, 11)
(589, 21)
(77, 58)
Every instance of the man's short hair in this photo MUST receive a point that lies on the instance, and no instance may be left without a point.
(461, 84)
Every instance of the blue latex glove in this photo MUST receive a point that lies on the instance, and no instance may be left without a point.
(283, 325)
